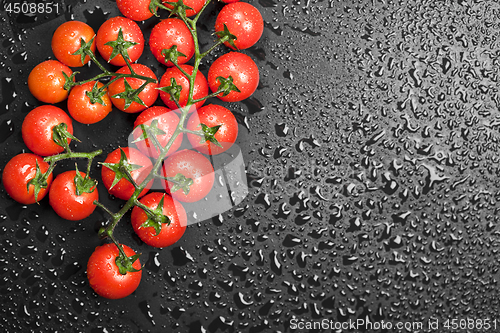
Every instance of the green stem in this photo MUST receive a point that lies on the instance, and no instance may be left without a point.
(67, 155)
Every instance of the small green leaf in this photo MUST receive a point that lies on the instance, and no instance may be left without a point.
(174, 89)
(122, 169)
(226, 85)
(95, 95)
(153, 7)
(130, 95)
(208, 134)
(156, 219)
(83, 184)
(227, 36)
(172, 54)
(180, 182)
(120, 46)
(60, 135)
(178, 8)
(39, 181)
(84, 50)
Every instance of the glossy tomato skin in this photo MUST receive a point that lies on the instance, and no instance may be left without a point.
(213, 115)
(67, 40)
(104, 276)
(195, 5)
(37, 129)
(192, 165)
(18, 172)
(109, 32)
(80, 107)
(124, 189)
(46, 81)
(167, 122)
(242, 20)
(200, 89)
(169, 32)
(241, 68)
(137, 10)
(169, 233)
(64, 200)
(148, 95)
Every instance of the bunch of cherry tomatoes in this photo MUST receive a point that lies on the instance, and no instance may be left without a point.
(187, 175)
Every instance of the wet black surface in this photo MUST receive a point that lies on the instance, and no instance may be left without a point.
(372, 155)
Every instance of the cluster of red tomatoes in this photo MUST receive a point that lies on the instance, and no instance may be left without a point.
(47, 130)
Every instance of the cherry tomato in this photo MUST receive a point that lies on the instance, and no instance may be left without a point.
(195, 5)
(124, 189)
(148, 95)
(46, 81)
(213, 115)
(167, 122)
(109, 31)
(169, 233)
(67, 40)
(241, 68)
(37, 129)
(242, 20)
(104, 276)
(18, 172)
(64, 200)
(200, 89)
(192, 165)
(171, 32)
(81, 108)
(137, 10)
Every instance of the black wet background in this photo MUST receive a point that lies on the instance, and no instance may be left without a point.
(372, 154)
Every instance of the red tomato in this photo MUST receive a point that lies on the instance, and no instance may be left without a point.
(148, 95)
(200, 89)
(167, 122)
(171, 32)
(124, 189)
(242, 20)
(137, 10)
(192, 165)
(46, 81)
(241, 68)
(169, 233)
(104, 276)
(213, 115)
(64, 200)
(108, 32)
(67, 40)
(195, 5)
(18, 172)
(82, 110)
(37, 129)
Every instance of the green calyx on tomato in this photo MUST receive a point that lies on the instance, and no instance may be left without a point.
(173, 89)
(172, 54)
(120, 46)
(85, 49)
(124, 262)
(178, 8)
(150, 132)
(39, 181)
(84, 184)
(60, 135)
(69, 81)
(207, 134)
(180, 182)
(130, 95)
(155, 217)
(122, 169)
(95, 95)
(226, 36)
(226, 85)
